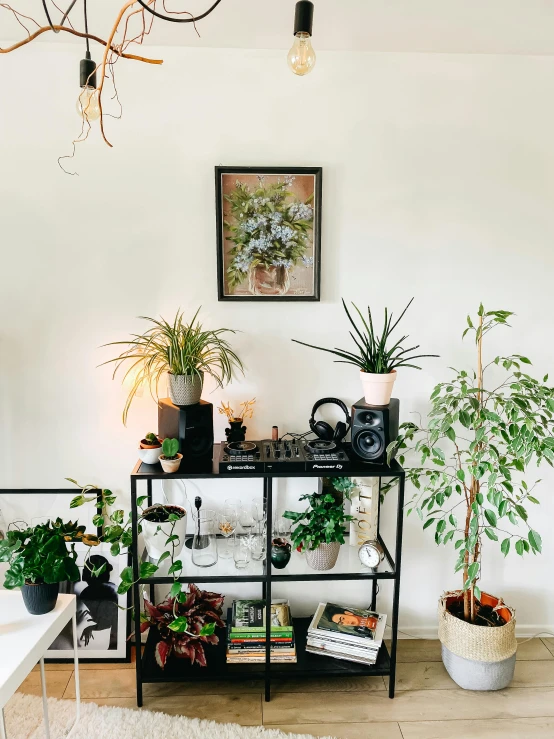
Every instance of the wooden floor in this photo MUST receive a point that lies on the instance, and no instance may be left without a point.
(428, 705)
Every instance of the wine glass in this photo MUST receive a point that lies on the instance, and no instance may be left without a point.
(227, 523)
(246, 520)
(232, 505)
(257, 512)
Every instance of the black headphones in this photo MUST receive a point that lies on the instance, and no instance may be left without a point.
(324, 430)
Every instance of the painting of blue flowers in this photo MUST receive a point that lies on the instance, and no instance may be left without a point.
(268, 233)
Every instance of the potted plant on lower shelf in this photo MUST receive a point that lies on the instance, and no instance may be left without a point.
(39, 560)
(170, 459)
(186, 351)
(377, 357)
(150, 449)
(185, 624)
(485, 428)
(319, 530)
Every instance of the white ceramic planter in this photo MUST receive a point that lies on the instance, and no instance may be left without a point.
(150, 456)
(155, 539)
(377, 388)
(324, 557)
(185, 389)
(170, 465)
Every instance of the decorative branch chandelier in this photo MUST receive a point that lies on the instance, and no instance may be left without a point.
(93, 76)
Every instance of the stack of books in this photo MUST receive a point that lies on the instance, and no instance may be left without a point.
(246, 632)
(350, 634)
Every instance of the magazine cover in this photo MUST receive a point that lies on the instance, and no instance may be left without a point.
(349, 622)
(251, 614)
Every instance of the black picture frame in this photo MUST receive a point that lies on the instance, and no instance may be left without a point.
(317, 173)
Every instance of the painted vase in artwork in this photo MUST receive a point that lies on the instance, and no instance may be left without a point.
(268, 280)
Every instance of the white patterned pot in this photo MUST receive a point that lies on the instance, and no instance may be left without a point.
(185, 389)
(324, 557)
(156, 534)
(478, 657)
(377, 388)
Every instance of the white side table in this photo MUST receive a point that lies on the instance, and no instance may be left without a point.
(23, 641)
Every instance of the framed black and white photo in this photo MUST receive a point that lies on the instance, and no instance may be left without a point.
(268, 233)
(102, 614)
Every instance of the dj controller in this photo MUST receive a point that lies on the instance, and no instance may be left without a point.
(294, 455)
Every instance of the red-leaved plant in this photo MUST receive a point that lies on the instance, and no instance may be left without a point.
(185, 624)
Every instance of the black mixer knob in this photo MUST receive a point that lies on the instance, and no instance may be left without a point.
(288, 453)
(276, 454)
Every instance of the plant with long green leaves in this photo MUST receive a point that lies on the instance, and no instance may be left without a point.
(485, 428)
(375, 353)
(180, 348)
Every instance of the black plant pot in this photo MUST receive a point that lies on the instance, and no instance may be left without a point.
(237, 432)
(40, 598)
(280, 553)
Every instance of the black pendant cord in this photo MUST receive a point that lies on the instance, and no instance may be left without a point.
(86, 28)
(49, 19)
(178, 20)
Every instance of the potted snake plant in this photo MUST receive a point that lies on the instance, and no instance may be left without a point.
(485, 428)
(183, 349)
(377, 357)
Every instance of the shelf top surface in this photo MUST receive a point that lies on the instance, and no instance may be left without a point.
(348, 566)
(357, 468)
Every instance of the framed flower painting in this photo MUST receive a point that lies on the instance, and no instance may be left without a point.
(268, 232)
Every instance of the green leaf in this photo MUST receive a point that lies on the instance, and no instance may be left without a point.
(98, 520)
(477, 592)
(535, 540)
(175, 589)
(453, 520)
(450, 433)
(490, 515)
(124, 587)
(141, 500)
(490, 533)
(179, 625)
(505, 547)
(127, 575)
(147, 569)
(461, 475)
(428, 523)
(472, 570)
(115, 549)
(164, 555)
(441, 526)
(520, 547)
(175, 567)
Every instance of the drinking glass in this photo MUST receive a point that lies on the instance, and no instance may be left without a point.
(282, 527)
(232, 505)
(241, 552)
(227, 523)
(246, 520)
(204, 544)
(258, 542)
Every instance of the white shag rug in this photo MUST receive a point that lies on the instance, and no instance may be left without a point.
(24, 721)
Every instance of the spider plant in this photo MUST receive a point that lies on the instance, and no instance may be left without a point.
(375, 354)
(179, 348)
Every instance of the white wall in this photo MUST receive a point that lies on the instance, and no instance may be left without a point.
(438, 184)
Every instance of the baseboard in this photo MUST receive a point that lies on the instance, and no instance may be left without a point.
(523, 631)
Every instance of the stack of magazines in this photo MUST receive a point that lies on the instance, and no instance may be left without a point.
(351, 634)
(246, 632)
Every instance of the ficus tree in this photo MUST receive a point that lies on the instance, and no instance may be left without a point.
(485, 428)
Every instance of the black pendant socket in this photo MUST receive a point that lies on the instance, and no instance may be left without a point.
(87, 72)
(303, 17)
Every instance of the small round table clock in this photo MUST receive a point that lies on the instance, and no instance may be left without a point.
(371, 554)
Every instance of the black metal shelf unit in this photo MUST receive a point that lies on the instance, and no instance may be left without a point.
(308, 665)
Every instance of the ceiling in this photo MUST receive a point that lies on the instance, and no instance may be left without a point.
(449, 26)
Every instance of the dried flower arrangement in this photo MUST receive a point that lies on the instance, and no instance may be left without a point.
(246, 410)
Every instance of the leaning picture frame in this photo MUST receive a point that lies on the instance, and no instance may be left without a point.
(102, 613)
(268, 233)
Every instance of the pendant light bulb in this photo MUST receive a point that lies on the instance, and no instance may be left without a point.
(301, 57)
(88, 105)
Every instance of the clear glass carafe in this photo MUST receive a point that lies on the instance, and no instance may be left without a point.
(204, 543)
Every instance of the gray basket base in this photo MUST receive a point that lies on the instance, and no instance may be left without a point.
(473, 675)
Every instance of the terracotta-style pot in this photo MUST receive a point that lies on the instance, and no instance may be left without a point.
(324, 557)
(478, 657)
(377, 388)
(149, 453)
(170, 465)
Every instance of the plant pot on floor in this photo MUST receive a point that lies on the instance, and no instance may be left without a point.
(185, 389)
(477, 657)
(170, 465)
(323, 557)
(377, 388)
(156, 529)
(40, 598)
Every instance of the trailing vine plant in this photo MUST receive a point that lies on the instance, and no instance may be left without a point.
(485, 428)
